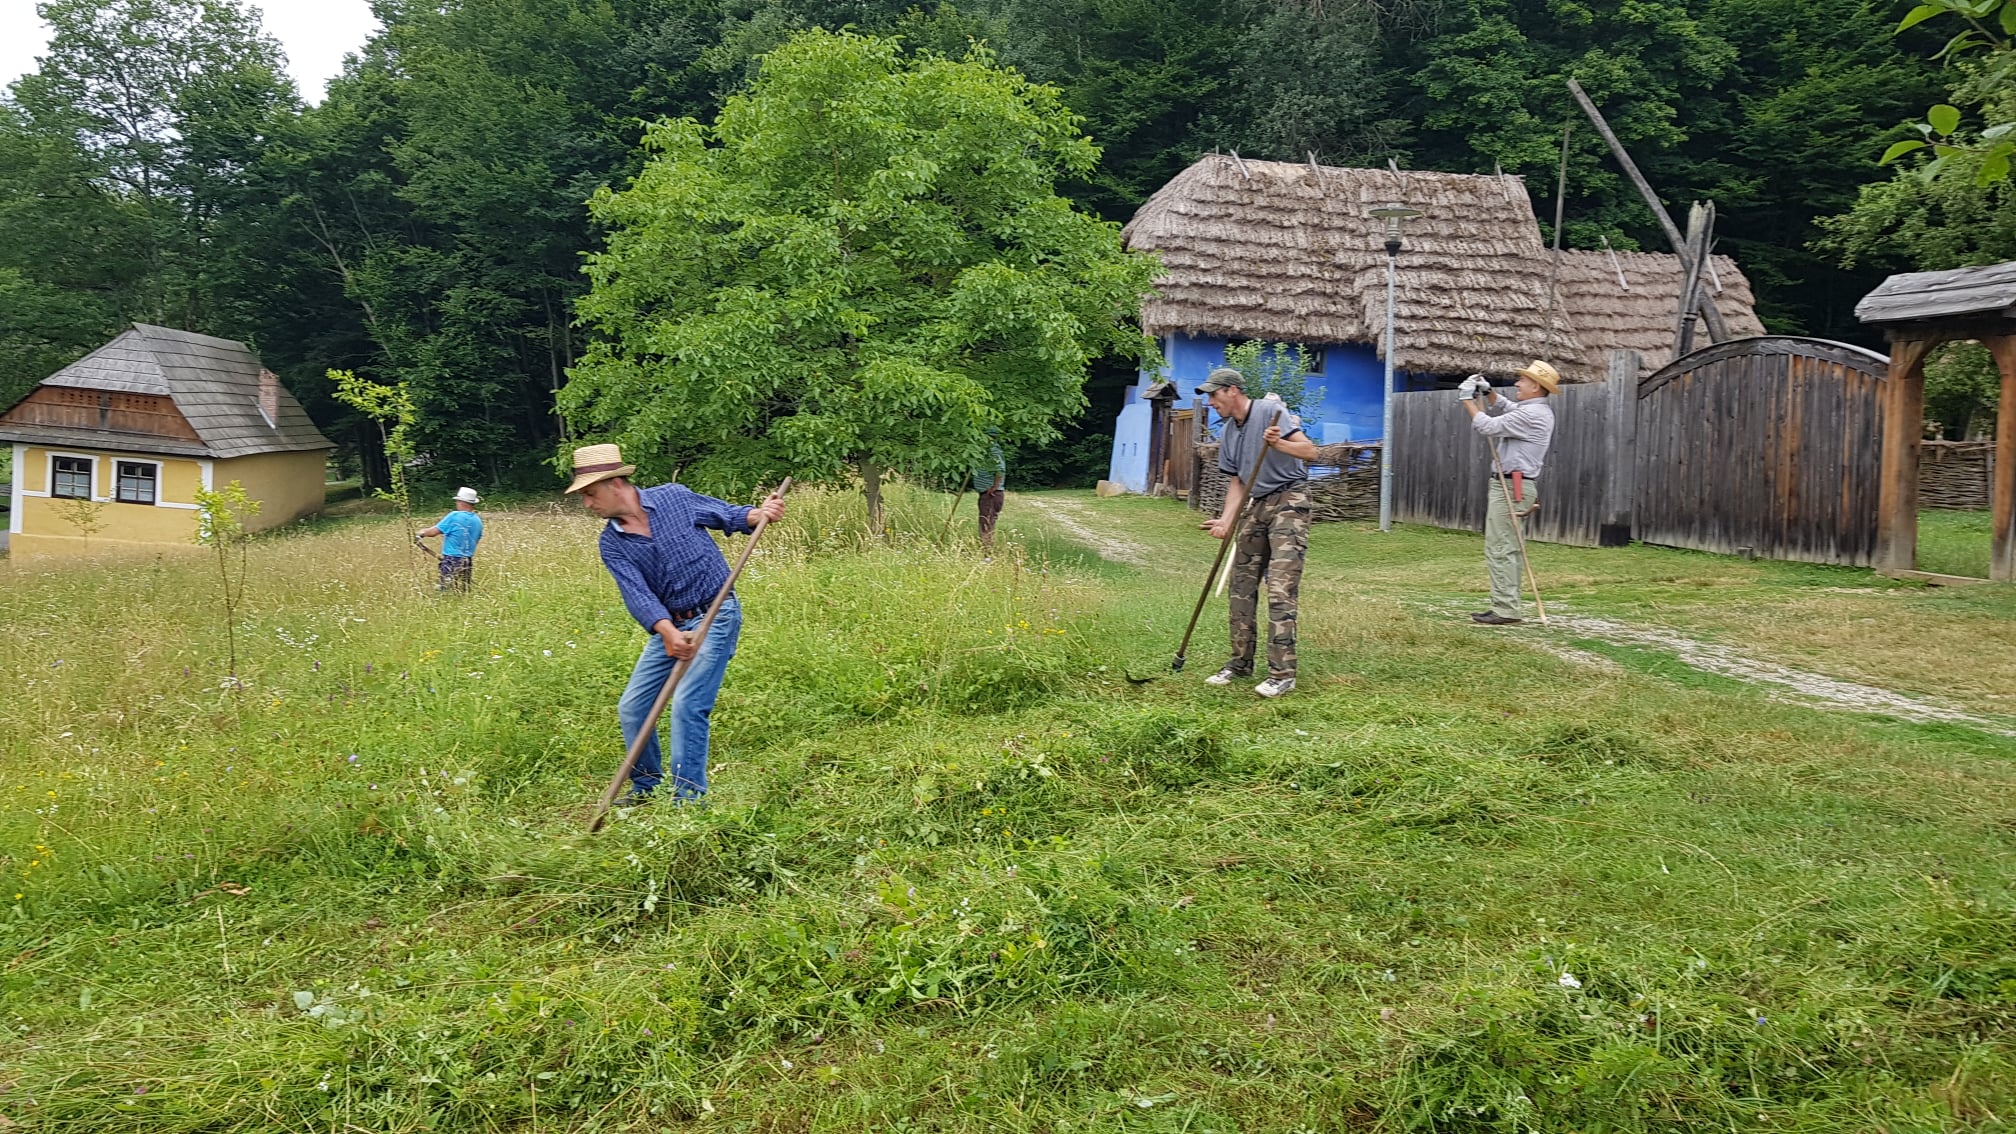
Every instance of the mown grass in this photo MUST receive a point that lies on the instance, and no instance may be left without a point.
(959, 873)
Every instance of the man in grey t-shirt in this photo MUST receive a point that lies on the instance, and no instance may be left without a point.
(1275, 537)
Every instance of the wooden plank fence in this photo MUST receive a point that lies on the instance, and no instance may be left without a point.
(1442, 468)
(1768, 446)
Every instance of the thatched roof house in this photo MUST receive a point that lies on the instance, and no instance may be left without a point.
(1630, 301)
(1284, 251)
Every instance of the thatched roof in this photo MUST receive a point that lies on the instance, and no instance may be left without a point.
(1640, 311)
(1276, 250)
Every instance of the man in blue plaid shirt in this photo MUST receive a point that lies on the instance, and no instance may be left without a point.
(668, 571)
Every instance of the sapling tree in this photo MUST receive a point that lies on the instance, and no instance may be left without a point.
(860, 266)
(83, 513)
(393, 410)
(220, 526)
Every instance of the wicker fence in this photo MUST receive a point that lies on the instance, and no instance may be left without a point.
(1348, 491)
(1955, 474)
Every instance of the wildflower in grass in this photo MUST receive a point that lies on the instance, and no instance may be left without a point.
(1568, 980)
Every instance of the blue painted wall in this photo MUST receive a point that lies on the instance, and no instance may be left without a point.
(1349, 408)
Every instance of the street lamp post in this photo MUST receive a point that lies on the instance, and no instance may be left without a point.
(1392, 215)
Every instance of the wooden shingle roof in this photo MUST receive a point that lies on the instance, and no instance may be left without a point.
(214, 383)
(1987, 291)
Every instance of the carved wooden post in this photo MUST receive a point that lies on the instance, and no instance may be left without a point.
(1903, 428)
(2002, 560)
(1621, 445)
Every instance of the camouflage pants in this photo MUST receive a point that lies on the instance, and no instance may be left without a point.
(1272, 545)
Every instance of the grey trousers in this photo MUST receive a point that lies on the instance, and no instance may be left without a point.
(1501, 544)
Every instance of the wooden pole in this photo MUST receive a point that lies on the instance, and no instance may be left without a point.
(956, 501)
(2002, 560)
(1620, 450)
(678, 671)
(1717, 329)
(1700, 219)
(1897, 480)
(1554, 265)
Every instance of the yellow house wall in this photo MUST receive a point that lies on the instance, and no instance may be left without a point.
(287, 486)
(45, 530)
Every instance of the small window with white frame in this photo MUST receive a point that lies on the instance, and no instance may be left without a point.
(70, 478)
(139, 482)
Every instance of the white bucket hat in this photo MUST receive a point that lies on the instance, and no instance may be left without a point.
(467, 495)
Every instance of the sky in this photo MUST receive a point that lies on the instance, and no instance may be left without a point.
(315, 34)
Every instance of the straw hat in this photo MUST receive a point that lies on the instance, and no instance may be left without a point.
(1547, 376)
(598, 462)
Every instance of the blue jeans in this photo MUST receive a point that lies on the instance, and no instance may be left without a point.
(692, 703)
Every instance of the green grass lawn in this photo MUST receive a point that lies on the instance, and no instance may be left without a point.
(959, 873)
(1955, 543)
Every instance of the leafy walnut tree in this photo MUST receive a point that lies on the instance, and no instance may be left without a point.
(861, 266)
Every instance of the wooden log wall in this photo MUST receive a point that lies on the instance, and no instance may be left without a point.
(1772, 444)
(1955, 474)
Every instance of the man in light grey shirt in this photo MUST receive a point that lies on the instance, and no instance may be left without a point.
(1522, 427)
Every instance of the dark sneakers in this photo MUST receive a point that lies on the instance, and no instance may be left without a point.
(1493, 618)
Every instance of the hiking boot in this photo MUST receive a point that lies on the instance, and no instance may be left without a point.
(1275, 686)
(1493, 618)
(1225, 676)
(633, 799)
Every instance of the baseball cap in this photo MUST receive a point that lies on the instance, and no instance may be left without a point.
(1222, 378)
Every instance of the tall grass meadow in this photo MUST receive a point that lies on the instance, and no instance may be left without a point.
(957, 873)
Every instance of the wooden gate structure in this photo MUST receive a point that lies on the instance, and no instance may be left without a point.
(1918, 311)
(1768, 446)
(1765, 445)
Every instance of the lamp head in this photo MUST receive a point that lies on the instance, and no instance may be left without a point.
(1392, 215)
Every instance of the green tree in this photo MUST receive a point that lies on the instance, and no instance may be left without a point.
(1959, 207)
(1983, 55)
(862, 265)
(156, 105)
(1962, 390)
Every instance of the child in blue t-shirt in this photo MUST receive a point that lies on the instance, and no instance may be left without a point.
(460, 530)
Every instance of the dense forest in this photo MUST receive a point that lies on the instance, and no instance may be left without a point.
(427, 221)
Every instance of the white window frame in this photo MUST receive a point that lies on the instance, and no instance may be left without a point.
(17, 493)
(117, 476)
(49, 486)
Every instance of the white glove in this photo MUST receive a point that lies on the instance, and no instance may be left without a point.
(1470, 386)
